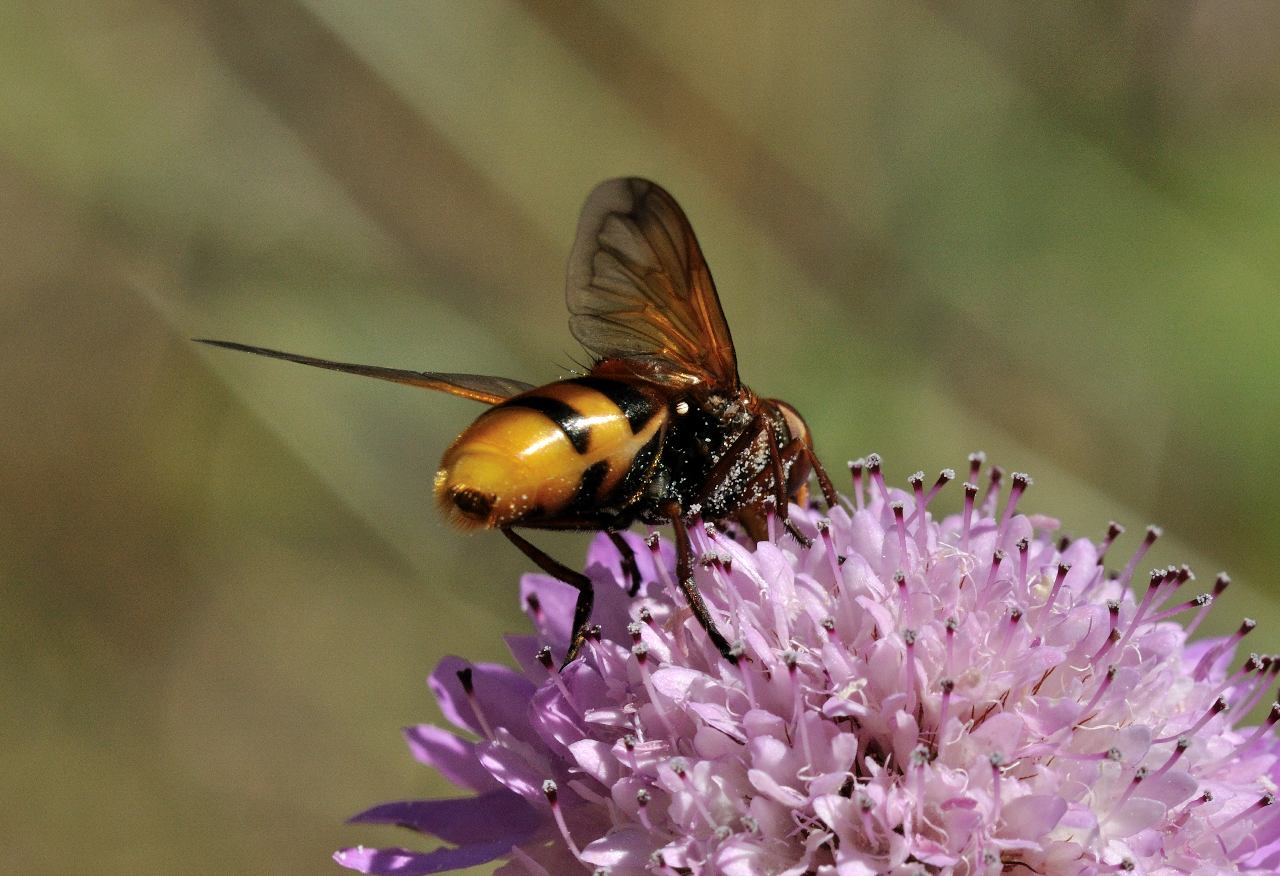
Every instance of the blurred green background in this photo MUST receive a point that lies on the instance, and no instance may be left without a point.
(1046, 231)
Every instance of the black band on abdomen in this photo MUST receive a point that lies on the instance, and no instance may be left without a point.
(563, 415)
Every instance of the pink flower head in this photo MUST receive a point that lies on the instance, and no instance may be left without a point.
(970, 695)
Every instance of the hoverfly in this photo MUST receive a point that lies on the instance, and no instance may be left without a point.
(659, 430)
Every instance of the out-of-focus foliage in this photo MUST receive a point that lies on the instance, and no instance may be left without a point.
(1046, 231)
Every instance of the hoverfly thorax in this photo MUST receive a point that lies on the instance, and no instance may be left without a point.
(659, 430)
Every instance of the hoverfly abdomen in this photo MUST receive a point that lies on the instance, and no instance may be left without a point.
(564, 453)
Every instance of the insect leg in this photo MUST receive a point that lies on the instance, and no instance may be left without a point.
(780, 488)
(684, 575)
(828, 491)
(580, 582)
(628, 559)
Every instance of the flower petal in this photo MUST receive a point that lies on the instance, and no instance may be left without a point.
(454, 757)
(499, 815)
(402, 862)
(502, 694)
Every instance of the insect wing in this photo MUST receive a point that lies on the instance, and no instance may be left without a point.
(638, 286)
(479, 387)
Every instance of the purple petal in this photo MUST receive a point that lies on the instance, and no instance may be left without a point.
(499, 815)
(402, 862)
(556, 601)
(512, 770)
(1032, 816)
(502, 693)
(454, 757)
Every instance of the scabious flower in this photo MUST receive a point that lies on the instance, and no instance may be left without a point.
(971, 695)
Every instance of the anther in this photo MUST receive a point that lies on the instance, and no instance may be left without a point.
(1246, 627)
(997, 558)
(1221, 584)
(1063, 569)
(970, 494)
(873, 469)
(901, 526)
(976, 459)
(1020, 483)
(1024, 550)
(1114, 531)
(1153, 533)
(544, 657)
(993, 490)
(552, 794)
(1263, 802)
(855, 469)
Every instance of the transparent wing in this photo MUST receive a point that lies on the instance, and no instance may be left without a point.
(490, 390)
(638, 286)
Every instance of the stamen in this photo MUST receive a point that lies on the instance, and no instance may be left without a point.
(468, 688)
(1211, 656)
(1262, 730)
(970, 492)
(922, 533)
(798, 708)
(900, 580)
(855, 469)
(1250, 666)
(1024, 548)
(1138, 775)
(909, 670)
(1063, 569)
(552, 795)
(1219, 586)
(1158, 577)
(996, 559)
(993, 491)
(946, 476)
(653, 541)
(544, 657)
(1199, 601)
(976, 459)
(1267, 667)
(824, 533)
(951, 626)
(1153, 532)
(1113, 614)
(678, 766)
(1263, 802)
(1087, 712)
(1020, 483)
(642, 802)
(641, 653)
(946, 685)
(1179, 749)
(903, 557)
(1114, 530)
(873, 469)
(1015, 616)
(1219, 706)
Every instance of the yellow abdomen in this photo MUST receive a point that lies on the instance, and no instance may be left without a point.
(550, 455)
